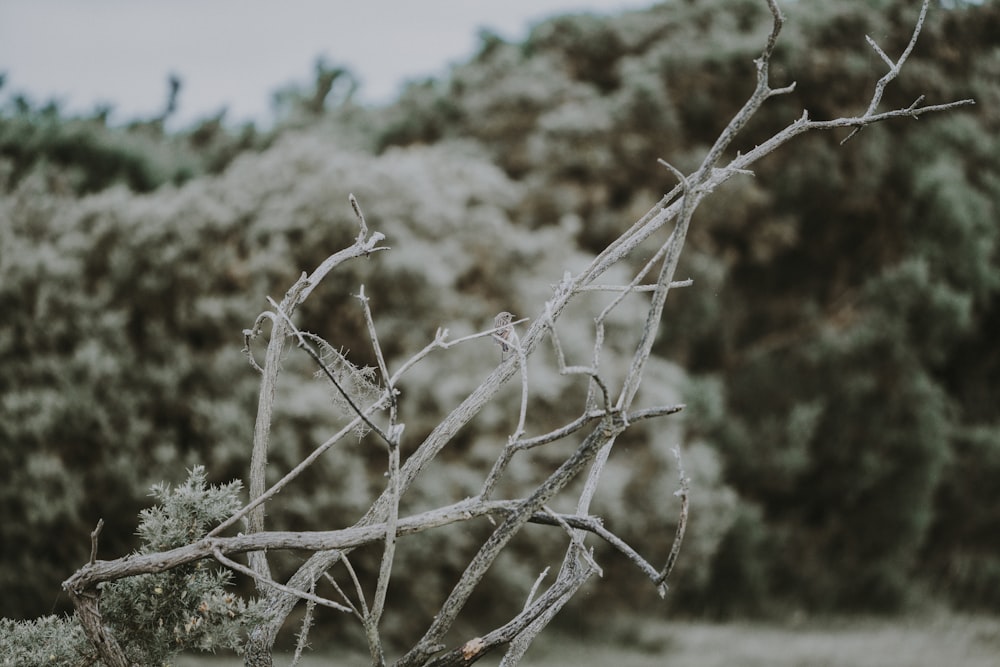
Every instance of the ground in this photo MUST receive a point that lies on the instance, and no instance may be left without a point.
(932, 640)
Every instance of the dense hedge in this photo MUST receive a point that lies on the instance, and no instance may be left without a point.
(839, 344)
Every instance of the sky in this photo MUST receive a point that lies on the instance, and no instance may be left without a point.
(236, 53)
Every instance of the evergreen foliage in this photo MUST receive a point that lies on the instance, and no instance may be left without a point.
(81, 155)
(156, 616)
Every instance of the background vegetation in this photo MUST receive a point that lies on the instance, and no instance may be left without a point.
(837, 350)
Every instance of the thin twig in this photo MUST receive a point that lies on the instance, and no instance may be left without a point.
(291, 474)
(522, 364)
(301, 641)
(373, 335)
(294, 330)
(894, 67)
(534, 587)
(359, 591)
(94, 534)
(261, 581)
(389, 548)
(682, 518)
(576, 539)
(687, 282)
(343, 595)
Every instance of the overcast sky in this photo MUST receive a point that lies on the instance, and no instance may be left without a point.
(235, 53)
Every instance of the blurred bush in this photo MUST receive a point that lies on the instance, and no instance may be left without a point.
(840, 336)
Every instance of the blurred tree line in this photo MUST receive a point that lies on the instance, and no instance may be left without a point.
(839, 345)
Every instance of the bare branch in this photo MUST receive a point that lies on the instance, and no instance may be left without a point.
(93, 540)
(373, 334)
(880, 52)
(307, 620)
(638, 288)
(287, 479)
(261, 583)
(577, 540)
(328, 373)
(522, 365)
(607, 430)
(675, 549)
(608, 412)
(534, 587)
(894, 67)
(345, 597)
(389, 550)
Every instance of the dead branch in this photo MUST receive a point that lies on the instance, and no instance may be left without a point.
(608, 412)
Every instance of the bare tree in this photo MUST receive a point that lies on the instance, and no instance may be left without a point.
(606, 414)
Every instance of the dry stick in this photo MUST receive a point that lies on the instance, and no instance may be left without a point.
(513, 442)
(343, 539)
(253, 332)
(591, 371)
(372, 619)
(460, 415)
(278, 607)
(293, 473)
(477, 647)
(371, 633)
(522, 364)
(590, 416)
(637, 288)
(344, 596)
(262, 425)
(534, 587)
(500, 465)
(675, 548)
(894, 67)
(320, 561)
(309, 460)
(661, 213)
(594, 525)
(262, 582)
(561, 432)
(558, 434)
(521, 642)
(388, 552)
(691, 195)
(357, 584)
(627, 241)
(440, 341)
(373, 335)
(94, 534)
(363, 246)
(576, 539)
(672, 250)
(607, 429)
(303, 637)
(595, 361)
(327, 372)
(690, 198)
(570, 573)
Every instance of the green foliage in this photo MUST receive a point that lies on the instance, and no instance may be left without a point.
(50, 640)
(741, 582)
(842, 425)
(185, 514)
(155, 616)
(83, 154)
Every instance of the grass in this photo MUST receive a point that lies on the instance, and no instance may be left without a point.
(929, 641)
